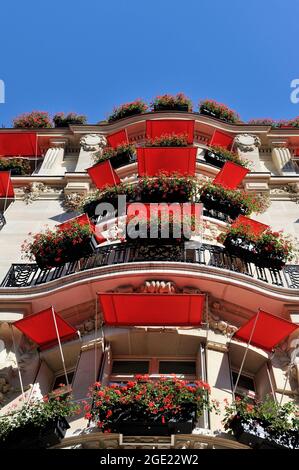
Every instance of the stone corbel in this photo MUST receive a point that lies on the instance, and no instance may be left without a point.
(93, 142)
(247, 142)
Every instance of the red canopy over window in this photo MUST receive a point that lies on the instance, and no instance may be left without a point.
(103, 175)
(40, 328)
(152, 309)
(14, 144)
(83, 220)
(6, 187)
(231, 175)
(255, 227)
(118, 138)
(158, 127)
(153, 160)
(221, 139)
(269, 330)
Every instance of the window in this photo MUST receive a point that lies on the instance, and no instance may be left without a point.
(130, 367)
(177, 367)
(246, 385)
(60, 379)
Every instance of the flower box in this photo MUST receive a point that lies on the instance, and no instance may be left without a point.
(16, 166)
(68, 255)
(218, 110)
(214, 158)
(212, 202)
(128, 109)
(165, 107)
(132, 428)
(178, 102)
(33, 437)
(65, 120)
(240, 248)
(207, 112)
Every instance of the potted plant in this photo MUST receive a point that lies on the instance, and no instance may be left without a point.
(33, 120)
(64, 120)
(38, 424)
(218, 110)
(55, 247)
(267, 250)
(128, 109)
(123, 154)
(263, 424)
(230, 201)
(178, 102)
(17, 166)
(168, 140)
(218, 156)
(149, 407)
(261, 122)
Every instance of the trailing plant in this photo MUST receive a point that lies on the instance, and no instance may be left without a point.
(33, 120)
(218, 110)
(55, 246)
(172, 102)
(280, 423)
(128, 109)
(168, 140)
(36, 414)
(227, 155)
(17, 166)
(147, 400)
(64, 120)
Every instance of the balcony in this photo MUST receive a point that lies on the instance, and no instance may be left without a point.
(29, 275)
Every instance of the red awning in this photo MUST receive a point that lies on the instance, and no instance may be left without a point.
(231, 175)
(269, 330)
(153, 160)
(152, 309)
(118, 138)
(40, 328)
(158, 127)
(6, 187)
(103, 175)
(255, 227)
(221, 139)
(14, 144)
(83, 220)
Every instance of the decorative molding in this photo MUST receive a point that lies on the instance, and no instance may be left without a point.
(247, 142)
(93, 142)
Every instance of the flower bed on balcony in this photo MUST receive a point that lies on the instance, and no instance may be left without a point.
(230, 202)
(164, 188)
(123, 154)
(218, 110)
(55, 247)
(178, 102)
(64, 120)
(33, 120)
(38, 424)
(17, 166)
(128, 109)
(267, 250)
(168, 140)
(149, 407)
(217, 156)
(264, 424)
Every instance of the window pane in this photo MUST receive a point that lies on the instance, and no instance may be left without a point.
(130, 367)
(62, 380)
(244, 381)
(177, 367)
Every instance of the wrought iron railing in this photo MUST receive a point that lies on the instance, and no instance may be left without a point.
(26, 275)
(2, 221)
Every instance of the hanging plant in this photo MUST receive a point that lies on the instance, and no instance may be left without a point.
(163, 406)
(168, 140)
(128, 109)
(218, 156)
(218, 110)
(178, 102)
(123, 154)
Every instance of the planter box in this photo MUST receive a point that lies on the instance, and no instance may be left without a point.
(215, 159)
(122, 159)
(207, 112)
(70, 255)
(241, 249)
(154, 429)
(224, 206)
(177, 107)
(30, 437)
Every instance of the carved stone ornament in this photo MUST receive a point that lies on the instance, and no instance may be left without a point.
(93, 142)
(247, 142)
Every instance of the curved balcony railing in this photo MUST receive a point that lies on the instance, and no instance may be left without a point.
(28, 275)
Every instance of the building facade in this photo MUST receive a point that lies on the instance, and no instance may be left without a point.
(114, 352)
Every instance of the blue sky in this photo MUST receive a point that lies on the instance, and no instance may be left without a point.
(88, 56)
